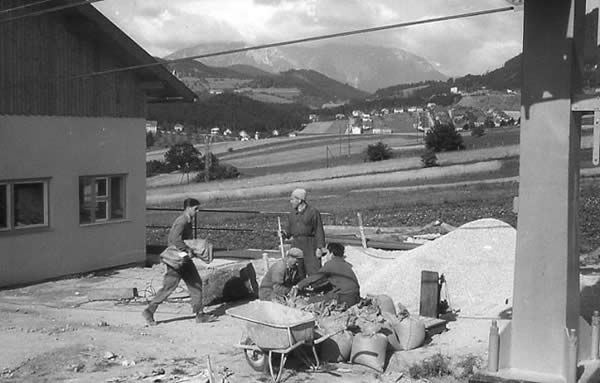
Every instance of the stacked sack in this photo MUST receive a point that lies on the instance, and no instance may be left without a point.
(365, 332)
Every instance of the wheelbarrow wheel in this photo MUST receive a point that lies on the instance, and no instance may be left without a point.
(258, 360)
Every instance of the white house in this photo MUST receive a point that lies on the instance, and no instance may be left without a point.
(72, 179)
(215, 131)
(178, 128)
(151, 127)
(243, 135)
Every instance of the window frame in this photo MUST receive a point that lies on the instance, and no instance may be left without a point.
(8, 207)
(106, 198)
(11, 226)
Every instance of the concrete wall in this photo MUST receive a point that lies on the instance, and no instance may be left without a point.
(63, 149)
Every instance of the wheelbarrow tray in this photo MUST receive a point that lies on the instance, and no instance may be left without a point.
(273, 326)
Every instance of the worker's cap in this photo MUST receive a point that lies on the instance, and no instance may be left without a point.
(300, 194)
(295, 252)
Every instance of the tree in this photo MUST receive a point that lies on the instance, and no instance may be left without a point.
(149, 139)
(476, 130)
(443, 138)
(184, 157)
(489, 123)
(378, 152)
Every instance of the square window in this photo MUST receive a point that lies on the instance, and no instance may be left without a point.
(30, 204)
(101, 198)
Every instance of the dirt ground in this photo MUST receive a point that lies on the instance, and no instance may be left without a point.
(57, 331)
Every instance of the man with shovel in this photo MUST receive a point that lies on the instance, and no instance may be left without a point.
(306, 230)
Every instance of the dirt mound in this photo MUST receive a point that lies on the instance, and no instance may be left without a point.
(477, 260)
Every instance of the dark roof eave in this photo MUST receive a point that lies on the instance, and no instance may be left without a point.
(172, 86)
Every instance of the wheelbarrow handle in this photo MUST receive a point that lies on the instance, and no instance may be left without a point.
(327, 336)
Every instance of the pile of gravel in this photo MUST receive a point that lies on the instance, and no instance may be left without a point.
(477, 260)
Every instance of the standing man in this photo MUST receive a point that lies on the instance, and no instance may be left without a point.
(279, 279)
(306, 230)
(181, 230)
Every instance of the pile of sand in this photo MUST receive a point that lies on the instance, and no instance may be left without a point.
(477, 260)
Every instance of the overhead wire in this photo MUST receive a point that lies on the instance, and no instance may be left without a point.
(48, 10)
(24, 6)
(298, 41)
(164, 63)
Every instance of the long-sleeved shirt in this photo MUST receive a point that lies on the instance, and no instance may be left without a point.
(180, 230)
(278, 281)
(340, 275)
(306, 228)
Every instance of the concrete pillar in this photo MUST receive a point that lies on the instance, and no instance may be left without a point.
(546, 283)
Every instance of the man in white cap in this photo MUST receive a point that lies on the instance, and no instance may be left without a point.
(306, 230)
(279, 279)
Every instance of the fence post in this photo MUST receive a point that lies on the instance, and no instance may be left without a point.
(195, 226)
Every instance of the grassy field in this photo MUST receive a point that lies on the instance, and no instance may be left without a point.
(388, 193)
(455, 205)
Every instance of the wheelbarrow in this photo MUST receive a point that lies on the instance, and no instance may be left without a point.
(274, 330)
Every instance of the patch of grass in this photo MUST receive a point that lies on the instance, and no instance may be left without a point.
(468, 366)
(436, 366)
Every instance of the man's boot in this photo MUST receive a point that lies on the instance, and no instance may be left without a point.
(148, 315)
(202, 317)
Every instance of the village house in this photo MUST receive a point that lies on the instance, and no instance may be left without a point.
(72, 144)
(151, 127)
(178, 128)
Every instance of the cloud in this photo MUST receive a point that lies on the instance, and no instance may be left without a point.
(471, 45)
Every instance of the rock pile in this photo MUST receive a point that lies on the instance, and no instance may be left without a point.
(477, 260)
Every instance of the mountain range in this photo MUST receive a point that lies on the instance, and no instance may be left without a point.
(302, 86)
(365, 67)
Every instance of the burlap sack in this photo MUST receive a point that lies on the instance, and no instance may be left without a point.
(173, 257)
(203, 248)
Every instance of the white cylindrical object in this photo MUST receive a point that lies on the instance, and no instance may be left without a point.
(571, 370)
(493, 347)
(595, 335)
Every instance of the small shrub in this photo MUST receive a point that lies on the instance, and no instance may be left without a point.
(489, 123)
(468, 366)
(436, 366)
(378, 152)
(443, 137)
(149, 140)
(230, 149)
(429, 159)
(477, 130)
(155, 167)
(220, 172)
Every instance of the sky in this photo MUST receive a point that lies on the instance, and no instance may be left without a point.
(457, 47)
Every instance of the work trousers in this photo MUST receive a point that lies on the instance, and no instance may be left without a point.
(310, 264)
(190, 276)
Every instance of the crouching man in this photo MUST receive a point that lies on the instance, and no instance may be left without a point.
(344, 283)
(279, 279)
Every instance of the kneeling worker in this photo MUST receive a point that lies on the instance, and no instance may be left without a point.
(280, 278)
(339, 273)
